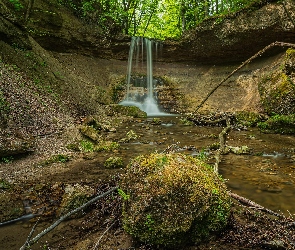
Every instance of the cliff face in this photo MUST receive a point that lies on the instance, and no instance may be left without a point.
(228, 39)
(56, 67)
(237, 38)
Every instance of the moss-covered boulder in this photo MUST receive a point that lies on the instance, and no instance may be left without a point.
(248, 119)
(172, 200)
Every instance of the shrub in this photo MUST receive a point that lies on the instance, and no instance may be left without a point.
(173, 199)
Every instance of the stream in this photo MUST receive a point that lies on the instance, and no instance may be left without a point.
(265, 175)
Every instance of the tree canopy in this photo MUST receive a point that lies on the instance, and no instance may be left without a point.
(159, 19)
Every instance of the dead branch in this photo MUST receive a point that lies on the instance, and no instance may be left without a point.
(29, 237)
(259, 53)
(253, 204)
(62, 218)
(222, 142)
(97, 243)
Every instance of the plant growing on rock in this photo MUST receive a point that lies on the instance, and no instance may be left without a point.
(114, 162)
(283, 124)
(173, 200)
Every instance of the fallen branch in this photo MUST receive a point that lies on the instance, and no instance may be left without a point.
(62, 218)
(259, 53)
(253, 204)
(29, 237)
(222, 142)
(97, 243)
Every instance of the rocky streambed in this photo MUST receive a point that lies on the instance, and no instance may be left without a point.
(258, 166)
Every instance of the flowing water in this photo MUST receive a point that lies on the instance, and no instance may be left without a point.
(265, 175)
(142, 96)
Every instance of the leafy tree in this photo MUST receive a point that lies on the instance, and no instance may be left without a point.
(158, 19)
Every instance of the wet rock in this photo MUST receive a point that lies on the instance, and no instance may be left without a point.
(238, 150)
(127, 110)
(10, 207)
(90, 133)
(74, 196)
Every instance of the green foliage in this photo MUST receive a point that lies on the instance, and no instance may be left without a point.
(159, 19)
(88, 146)
(282, 124)
(4, 184)
(114, 162)
(123, 194)
(55, 159)
(173, 200)
(248, 119)
(16, 4)
(186, 122)
(7, 159)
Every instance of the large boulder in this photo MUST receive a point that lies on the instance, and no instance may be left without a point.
(172, 199)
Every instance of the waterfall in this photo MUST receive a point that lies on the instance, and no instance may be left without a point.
(141, 97)
(129, 68)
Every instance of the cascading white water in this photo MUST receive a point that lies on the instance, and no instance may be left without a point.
(129, 68)
(149, 104)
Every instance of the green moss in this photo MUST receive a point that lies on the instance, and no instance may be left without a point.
(114, 162)
(88, 146)
(4, 184)
(55, 159)
(186, 122)
(248, 119)
(282, 124)
(173, 200)
(129, 111)
(277, 92)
